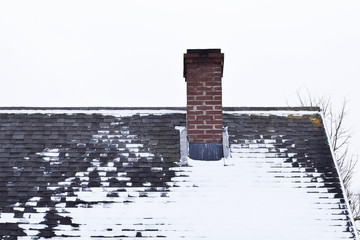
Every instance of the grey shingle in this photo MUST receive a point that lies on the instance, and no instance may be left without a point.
(48, 160)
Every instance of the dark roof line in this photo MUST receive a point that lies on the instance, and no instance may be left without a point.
(317, 109)
(166, 108)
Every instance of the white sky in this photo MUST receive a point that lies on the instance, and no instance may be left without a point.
(130, 53)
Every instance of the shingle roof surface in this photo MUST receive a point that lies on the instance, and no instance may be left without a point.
(113, 173)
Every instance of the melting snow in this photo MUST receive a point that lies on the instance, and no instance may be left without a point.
(213, 201)
(256, 195)
(50, 155)
(145, 112)
(115, 113)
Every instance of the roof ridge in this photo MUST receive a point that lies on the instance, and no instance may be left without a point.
(92, 108)
(166, 108)
(317, 109)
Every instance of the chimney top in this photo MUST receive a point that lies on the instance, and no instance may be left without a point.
(204, 51)
(203, 56)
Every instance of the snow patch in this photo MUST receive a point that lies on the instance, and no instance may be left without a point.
(115, 113)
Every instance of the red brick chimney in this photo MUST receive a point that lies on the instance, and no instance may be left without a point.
(203, 70)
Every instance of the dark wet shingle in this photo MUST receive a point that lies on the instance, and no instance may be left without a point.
(49, 160)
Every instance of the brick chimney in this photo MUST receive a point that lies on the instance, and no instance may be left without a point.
(203, 70)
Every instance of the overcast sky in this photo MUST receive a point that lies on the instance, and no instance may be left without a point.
(130, 53)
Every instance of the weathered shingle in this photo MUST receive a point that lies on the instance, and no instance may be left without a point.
(114, 173)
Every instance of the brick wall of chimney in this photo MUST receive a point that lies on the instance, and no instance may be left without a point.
(203, 71)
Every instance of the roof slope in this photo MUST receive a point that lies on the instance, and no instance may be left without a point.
(113, 173)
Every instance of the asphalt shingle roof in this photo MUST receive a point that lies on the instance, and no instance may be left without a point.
(99, 173)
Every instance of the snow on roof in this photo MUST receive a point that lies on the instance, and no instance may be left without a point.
(114, 173)
(123, 112)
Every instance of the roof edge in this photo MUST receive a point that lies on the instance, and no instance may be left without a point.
(316, 109)
(92, 108)
(341, 180)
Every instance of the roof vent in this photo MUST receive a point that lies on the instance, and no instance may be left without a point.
(203, 70)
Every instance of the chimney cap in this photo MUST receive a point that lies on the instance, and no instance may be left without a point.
(204, 51)
(210, 55)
